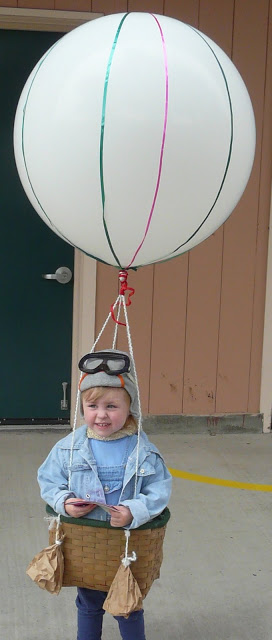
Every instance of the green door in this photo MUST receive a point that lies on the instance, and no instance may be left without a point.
(36, 313)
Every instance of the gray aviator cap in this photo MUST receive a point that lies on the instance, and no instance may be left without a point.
(123, 380)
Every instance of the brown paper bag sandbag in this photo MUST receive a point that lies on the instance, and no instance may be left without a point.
(46, 569)
(124, 595)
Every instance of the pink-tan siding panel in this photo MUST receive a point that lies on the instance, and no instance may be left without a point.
(185, 10)
(205, 268)
(9, 3)
(35, 4)
(70, 5)
(109, 6)
(262, 235)
(240, 236)
(216, 21)
(168, 336)
(152, 6)
(204, 285)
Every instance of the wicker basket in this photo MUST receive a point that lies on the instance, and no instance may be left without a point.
(92, 551)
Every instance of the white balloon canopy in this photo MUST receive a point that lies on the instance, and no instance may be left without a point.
(134, 138)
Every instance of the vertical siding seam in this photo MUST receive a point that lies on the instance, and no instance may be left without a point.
(151, 339)
(95, 308)
(219, 318)
(185, 331)
(188, 276)
(259, 197)
(233, 21)
(222, 254)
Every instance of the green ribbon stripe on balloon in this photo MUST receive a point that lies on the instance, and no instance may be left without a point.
(102, 186)
(230, 145)
(23, 133)
(171, 254)
(102, 139)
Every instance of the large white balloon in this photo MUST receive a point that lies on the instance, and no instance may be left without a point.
(134, 138)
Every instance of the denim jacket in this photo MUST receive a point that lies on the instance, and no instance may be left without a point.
(153, 479)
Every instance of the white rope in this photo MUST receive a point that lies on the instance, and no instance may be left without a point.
(138, 393)
(51, 521)
(120, 300)
(78, 397)
(55, 521)
(103, 328)
(128, 559)
(73, 439)
(58, 540)
(116, 325)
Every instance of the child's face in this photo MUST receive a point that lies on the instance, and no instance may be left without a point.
(108, 413)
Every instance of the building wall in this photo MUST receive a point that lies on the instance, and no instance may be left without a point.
(197, 321)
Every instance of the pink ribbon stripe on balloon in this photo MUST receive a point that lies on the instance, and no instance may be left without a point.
(162, 144)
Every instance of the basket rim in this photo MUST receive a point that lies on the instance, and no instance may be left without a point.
(158, 522)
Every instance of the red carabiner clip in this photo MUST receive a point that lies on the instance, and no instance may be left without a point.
(123, 288)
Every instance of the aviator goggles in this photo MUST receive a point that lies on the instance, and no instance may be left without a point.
(111, 363)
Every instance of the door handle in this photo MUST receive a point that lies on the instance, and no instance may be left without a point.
(62, 275)
(64, 402)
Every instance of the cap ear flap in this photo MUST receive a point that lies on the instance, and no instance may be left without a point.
(81, 379)
(81, 407)
(121, 380)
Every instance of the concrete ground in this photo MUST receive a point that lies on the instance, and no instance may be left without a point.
(216, 579)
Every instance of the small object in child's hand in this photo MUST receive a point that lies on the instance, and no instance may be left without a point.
(83, 503)
(87, 503)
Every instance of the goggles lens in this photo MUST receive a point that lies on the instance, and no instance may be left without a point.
(111, 363)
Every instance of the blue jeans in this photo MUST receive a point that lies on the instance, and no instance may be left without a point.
(90, 617)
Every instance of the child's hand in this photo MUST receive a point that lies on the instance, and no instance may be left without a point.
(77, 511)
(121, 516)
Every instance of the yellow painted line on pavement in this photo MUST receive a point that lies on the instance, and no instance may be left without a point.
(195, 477)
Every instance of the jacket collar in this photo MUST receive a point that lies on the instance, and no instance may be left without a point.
(81, 444)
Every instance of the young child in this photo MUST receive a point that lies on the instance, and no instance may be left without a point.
(103, 470)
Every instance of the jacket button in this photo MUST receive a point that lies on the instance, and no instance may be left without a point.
(106, 488)
(141, 470)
